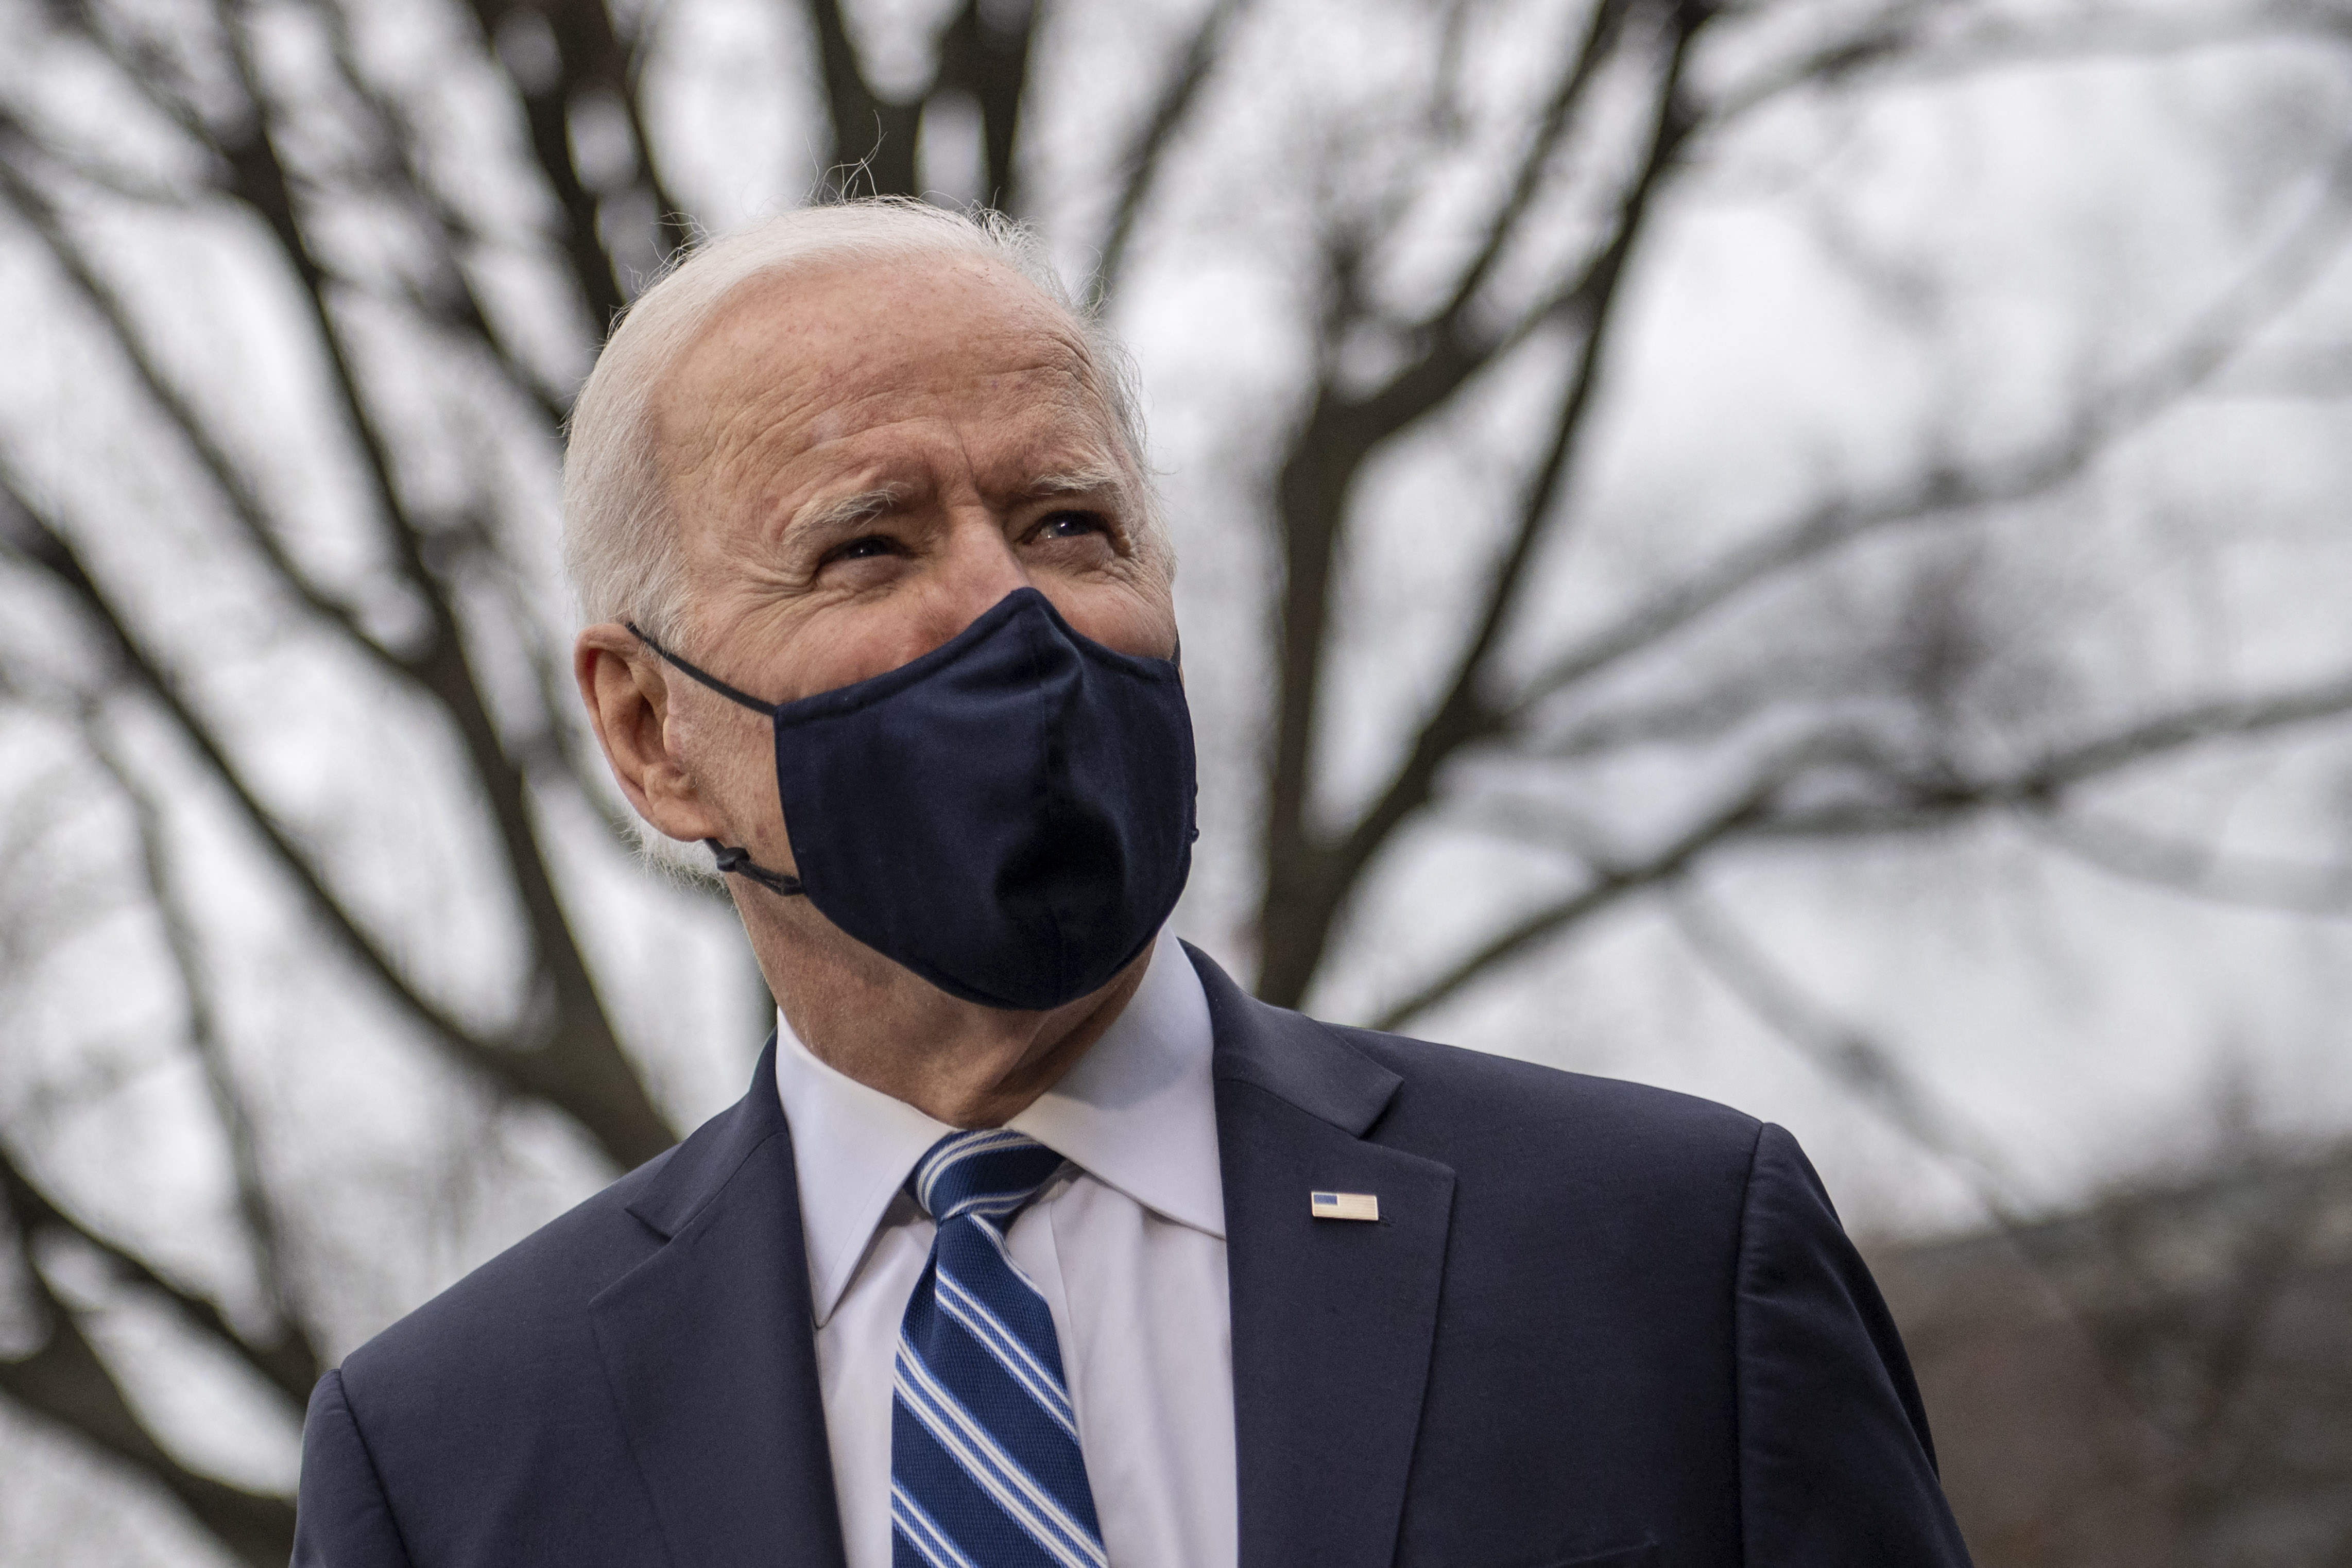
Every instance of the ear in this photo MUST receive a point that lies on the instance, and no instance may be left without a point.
(627, 692)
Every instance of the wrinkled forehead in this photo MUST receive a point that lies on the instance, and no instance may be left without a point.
(802, 353)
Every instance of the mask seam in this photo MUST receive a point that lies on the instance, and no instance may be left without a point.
(1051, 792)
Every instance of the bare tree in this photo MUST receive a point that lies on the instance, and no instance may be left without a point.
(2157, 1378)
(311, 635)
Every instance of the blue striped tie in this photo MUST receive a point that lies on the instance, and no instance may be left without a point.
(985, 1471)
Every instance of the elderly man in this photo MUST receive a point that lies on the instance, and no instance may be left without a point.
(1036, 1241)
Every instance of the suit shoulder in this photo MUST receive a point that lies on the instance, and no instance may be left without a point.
(1462, 1105)
(1514, 1090)
(543, 1280)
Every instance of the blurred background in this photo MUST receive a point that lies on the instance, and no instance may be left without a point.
(1793, 549)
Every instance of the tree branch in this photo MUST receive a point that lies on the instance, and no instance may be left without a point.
(66, 1382)
(36, 1211)
(1307, 879)
(887, 164)
(454, 305)
(573, 1057)
(1139, 168)
(30, 537)
(1603, 31)
(576, 1059)
(1609, 884)
(2197, 871)
(988, 58)
(1849, 1056)
(1944, 493)
(291, 1359)
(245, 504)
(1901, 45)
(2263, 1256)
(1919, 804)
(1462, 715)
(1922, 801)
(588, 55)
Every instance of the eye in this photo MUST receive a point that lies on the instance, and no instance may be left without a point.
(866, 546)
(1070, 526)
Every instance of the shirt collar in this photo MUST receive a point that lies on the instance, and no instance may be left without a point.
(1138, 1112)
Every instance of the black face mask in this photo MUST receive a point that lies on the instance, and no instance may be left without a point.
(1010, 816)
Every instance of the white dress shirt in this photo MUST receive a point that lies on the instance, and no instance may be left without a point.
(1127, 1245)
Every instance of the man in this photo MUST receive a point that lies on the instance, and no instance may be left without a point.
(1035, 1239)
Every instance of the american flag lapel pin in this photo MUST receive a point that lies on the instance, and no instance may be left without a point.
(1343, 1205)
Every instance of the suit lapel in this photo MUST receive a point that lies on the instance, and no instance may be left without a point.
(710, 1352)
(1332, 1320)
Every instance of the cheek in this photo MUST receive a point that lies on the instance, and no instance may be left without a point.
(1135, 618)
(842, 649)
(732, 762)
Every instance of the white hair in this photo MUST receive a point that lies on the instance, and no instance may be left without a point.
(619, 529)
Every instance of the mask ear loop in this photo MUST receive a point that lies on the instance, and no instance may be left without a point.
(730, 860)
(708, 679)
(735, 860)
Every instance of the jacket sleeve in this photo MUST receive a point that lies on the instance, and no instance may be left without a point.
(1836, 1467)
(341, 1518)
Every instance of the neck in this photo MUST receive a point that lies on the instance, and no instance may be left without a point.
(955, 1062)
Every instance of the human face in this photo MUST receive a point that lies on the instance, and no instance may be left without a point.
(862, 459)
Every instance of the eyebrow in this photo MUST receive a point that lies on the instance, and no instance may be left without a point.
(863, 507)
(1071, 482)
(867, 505)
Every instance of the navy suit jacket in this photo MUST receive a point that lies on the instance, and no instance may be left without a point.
(1595, 1324)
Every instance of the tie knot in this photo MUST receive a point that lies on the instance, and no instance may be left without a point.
(990, 1173)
